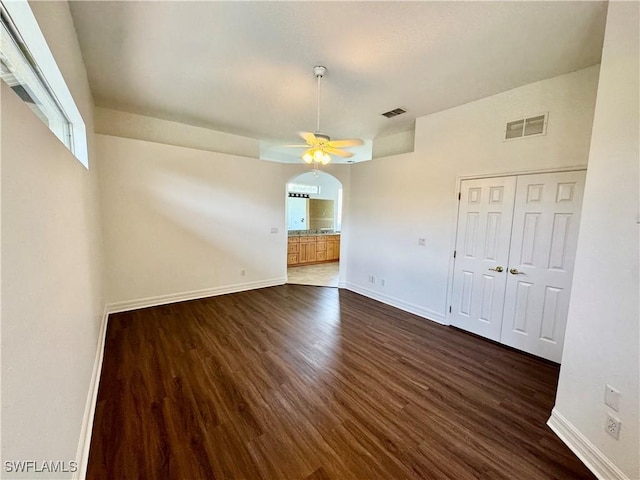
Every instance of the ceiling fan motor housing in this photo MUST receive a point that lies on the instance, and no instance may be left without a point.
(319, 71)
(322, 138)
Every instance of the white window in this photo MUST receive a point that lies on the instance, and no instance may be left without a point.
(298, 188)
(28, 67)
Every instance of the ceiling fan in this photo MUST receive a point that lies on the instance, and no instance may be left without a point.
(319, 146)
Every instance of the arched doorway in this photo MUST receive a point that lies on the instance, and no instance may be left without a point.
(314, 222)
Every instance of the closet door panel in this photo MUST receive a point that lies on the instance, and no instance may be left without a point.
(543, 243)
(482, 249)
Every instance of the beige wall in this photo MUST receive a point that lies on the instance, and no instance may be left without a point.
(394, 144)
(178, 221)
(51, 267)
(603, 334)
(129, 125)
(184, 223)
(397, 200)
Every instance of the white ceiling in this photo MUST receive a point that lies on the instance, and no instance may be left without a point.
(246, 67)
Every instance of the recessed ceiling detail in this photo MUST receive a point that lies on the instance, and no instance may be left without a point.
(243, 67)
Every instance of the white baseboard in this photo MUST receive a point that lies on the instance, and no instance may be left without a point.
(586, 451)
(86, 430)
(396, 302)
(193, 295)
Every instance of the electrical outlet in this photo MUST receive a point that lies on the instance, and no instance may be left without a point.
(243, 272)
(612, 427)
(382, 282)
(422, 242)
(373, 279)
(612, 397)
(274, 229)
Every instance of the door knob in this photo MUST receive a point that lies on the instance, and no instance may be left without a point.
(515, 271)
(497, 269)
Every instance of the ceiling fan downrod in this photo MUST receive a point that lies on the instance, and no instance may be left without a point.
(319, 71)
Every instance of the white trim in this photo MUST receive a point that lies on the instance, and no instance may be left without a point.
(510, 173)
(27, 25)
(193, 295)
(587, 452)
(84, 443)
(396, 302)
(453, 237)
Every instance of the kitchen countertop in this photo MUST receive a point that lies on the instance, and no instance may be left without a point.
(298, 233)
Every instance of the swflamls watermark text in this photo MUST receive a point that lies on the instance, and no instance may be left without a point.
(40, 466)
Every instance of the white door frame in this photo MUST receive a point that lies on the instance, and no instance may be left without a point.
(454, 229)
(344, 228)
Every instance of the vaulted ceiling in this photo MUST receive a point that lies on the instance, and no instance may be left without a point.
(246, 67)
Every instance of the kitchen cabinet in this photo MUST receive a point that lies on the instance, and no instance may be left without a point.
(293, 250)
(302, 250)
(321, 249)
(333, 247)
(307, 250)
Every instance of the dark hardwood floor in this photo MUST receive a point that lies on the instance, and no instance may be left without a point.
(300, 382)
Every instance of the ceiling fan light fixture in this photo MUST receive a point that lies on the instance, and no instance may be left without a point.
(316, 155)
(321, 147)
(307, 157)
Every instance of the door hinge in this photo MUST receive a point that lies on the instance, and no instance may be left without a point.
(454, 254)
(459, 195)
(449, 308)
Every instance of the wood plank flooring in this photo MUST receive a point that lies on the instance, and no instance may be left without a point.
(299, 382)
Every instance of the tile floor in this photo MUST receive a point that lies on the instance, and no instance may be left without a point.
(322, 274)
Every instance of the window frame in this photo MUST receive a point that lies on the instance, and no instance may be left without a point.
(24, 24)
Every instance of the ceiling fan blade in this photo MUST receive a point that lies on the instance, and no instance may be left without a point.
(338, 152)
(350, 142)
(308, 137)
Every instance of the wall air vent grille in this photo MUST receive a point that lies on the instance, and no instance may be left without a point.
(526, 127)
(394, 113)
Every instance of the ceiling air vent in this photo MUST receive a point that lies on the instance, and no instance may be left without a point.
(394, 113)
(526, 127)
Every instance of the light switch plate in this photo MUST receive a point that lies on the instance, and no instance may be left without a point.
(612, 397)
